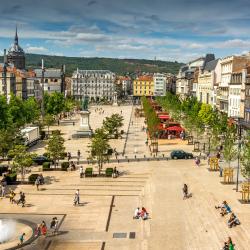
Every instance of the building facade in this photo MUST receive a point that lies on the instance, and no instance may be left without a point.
(206, 85)
(143, 86)
(160, 81)
(96, 84)
(185, 77)
(228, 89)
(52, 79)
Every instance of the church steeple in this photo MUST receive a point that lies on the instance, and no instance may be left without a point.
(16, 37)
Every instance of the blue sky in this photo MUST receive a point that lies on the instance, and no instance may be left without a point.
(168, 29)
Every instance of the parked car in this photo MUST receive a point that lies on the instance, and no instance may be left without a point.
(41, 159)
(180, 154)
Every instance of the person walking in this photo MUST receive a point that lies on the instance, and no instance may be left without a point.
(37, 183)
(185, 191)
(81, 172)
(77, 197)
(69, 156)
(21, 239)
(54, 225)
(3, 190)
(21, 199)
(11, 196)
(78, 156)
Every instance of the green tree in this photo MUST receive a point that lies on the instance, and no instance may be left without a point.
(4, 114)
(152, 119)
(112, 124)
(229, 150)
(16, 111)
(245, 158)
(54, 103)
(206, 114)
(55, 147)
(31, 110)
(48, 121)
(21, 159)
(99, 148)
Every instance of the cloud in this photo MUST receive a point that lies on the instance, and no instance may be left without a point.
(90, 3)
(33, 49)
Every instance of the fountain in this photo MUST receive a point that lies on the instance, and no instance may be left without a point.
(10, 231)
(7, 229)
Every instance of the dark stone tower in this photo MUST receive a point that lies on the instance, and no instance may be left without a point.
(16, 54)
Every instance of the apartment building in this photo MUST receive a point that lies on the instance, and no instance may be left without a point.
(160, 81)
(143, 86)
(96, 84)
(185, 77)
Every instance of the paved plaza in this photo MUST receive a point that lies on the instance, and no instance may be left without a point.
(104, 218)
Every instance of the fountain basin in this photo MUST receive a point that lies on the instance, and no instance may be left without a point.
(13, 229)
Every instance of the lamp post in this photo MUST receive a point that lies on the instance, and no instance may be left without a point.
(42, 81)
(239, 149)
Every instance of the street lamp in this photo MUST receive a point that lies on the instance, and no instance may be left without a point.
(239, 134)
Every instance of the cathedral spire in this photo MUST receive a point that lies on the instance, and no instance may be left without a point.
(16, 37)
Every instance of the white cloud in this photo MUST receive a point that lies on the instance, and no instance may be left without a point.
(33, 49)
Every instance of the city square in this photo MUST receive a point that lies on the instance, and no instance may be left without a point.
(107, 204)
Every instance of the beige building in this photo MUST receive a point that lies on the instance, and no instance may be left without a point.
(227, 89)
(206, 85)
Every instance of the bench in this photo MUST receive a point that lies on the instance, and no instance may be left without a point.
(214, 164)
(245, 192)
(228, 174)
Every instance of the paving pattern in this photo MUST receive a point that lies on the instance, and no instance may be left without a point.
(107, 204)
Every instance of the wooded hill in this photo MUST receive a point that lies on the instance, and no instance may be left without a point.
(118, 66)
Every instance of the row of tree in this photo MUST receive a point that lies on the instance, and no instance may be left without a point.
(152, 119)
(198, 117)
(16, 113)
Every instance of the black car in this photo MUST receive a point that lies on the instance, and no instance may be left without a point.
(41, 159)
(180, 154)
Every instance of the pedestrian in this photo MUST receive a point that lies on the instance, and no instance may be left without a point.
(21, 239)
(3, 190)
(69, 156)
(230, 244)
(81, 172)
(197, 161)
(185, 191)
(21, 199)
(77, 197)
(54, 225)
(43, 228)
(37, 183)
(78, 156)
(11, 196)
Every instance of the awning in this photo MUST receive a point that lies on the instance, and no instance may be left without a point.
(166, 117)
(175, 128)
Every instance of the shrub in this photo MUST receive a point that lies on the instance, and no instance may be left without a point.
(88, 172)
(46, 154)
(64, 165)
(46, 166)
(109, 172)
(32, 178)
(56, 132)
(11, 178)
(3, 169)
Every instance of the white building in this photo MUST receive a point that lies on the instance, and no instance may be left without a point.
(96, 84)
(160, 84)
(206, 87)
(186, 75)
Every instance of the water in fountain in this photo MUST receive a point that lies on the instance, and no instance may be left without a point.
(7, 230)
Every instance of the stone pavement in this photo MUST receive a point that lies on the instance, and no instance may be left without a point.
(107, 204)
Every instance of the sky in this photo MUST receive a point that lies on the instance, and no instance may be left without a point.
(173, 30)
